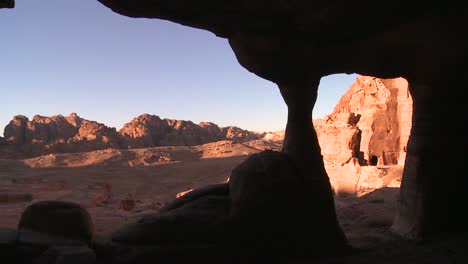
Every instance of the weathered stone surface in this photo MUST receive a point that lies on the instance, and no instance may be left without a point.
(269, 199)
(381, 109)
(59, 219)
(352, 179)
(15, 130)
(150, 130)
(200, 221)
(68, 134)
(339, 138)
(213, 189)
(257, 185)
(385, 110)
(59, 134)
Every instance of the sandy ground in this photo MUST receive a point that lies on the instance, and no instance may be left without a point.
(103, 181)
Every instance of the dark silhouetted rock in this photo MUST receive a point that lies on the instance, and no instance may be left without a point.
(67, 255)
(198, 222)
(7, 3)
(272, 210)
(221, 189)
(63, 220)
(8, 243)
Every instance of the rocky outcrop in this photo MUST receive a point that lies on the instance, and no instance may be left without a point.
(15, 131)
(62, 134)
(59, 134)
(57, 218)
(372, 122)
(339, 138)
(263, 210)
(150, 130)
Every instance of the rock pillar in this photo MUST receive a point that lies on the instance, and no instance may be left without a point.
(433, 191)
(301, 143)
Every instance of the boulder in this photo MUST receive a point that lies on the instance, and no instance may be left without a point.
(57, 219)
(273, 210)
(188, 196)
(200, 221)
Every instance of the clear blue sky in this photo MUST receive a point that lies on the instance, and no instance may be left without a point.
(59, 57)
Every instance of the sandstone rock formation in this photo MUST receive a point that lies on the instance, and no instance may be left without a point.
(267, 215)
(339, 138)
(384, 110)
(150, 130)
(370, 125)
(371, 122)
(64, 220)
(60, 134)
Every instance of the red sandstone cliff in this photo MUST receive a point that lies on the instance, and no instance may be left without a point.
(371, 121)
(150, 130)
(60, 134)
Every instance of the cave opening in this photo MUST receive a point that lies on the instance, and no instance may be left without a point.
(373, 160)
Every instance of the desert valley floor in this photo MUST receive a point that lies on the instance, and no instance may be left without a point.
(120, 186)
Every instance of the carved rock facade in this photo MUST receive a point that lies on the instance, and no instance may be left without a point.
(371, 122)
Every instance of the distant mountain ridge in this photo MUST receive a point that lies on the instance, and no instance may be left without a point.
(61, 134)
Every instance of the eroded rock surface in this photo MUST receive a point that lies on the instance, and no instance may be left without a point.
(64, 220)
(372, 122)
(68, 134)
(150, 130)
(59, 134)
(339, 138)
